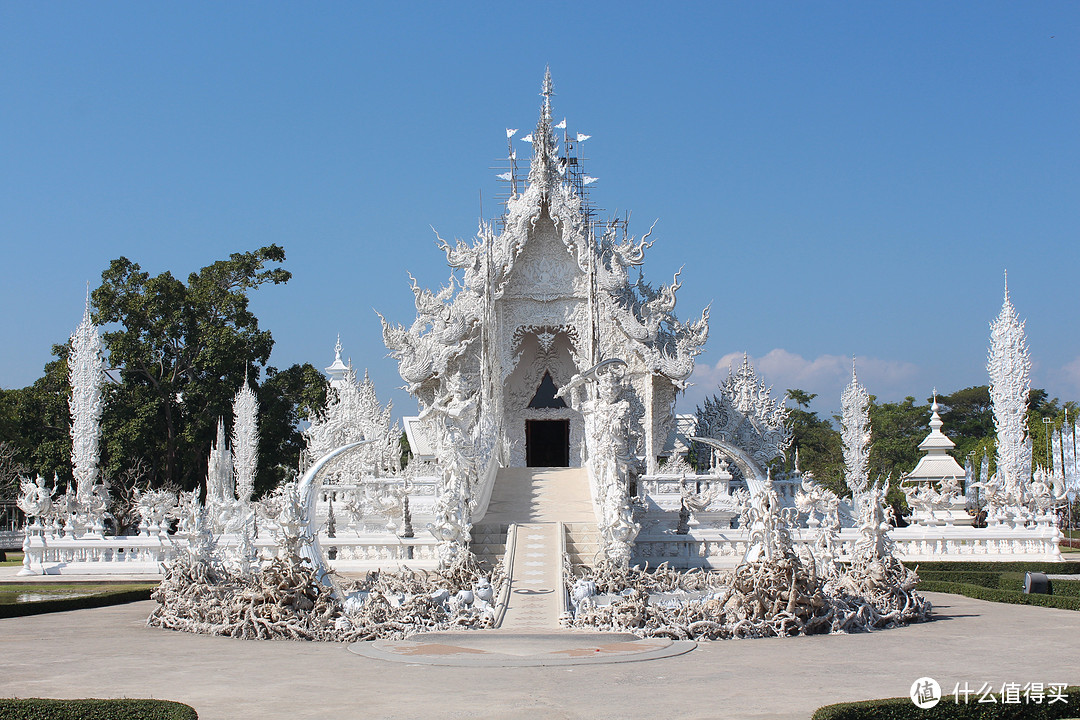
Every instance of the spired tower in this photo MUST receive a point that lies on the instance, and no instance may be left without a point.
(536, 300)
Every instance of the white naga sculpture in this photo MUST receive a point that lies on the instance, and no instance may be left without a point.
(86, 373)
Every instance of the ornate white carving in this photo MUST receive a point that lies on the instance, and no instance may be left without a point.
(86, 374)
(1009, 365)
(605, 412)
(855, 434)
(352, 413)
(220, 481)
(35, 499)
(245, 441)
(745, 415)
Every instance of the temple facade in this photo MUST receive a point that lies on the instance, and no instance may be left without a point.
(536, 300)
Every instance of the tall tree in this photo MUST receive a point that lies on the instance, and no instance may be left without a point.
(38, 420)
(898, 430)
(818, 443)
(177, 354)
(286, 398)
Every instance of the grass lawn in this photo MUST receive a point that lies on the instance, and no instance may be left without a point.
(13, 558)
(37, 592)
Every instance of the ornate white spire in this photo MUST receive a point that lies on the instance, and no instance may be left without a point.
(337, 369)
(543, 171)
(855, 433)
(220, 484)
(86, 375)
(1009, 364)
(245, 440)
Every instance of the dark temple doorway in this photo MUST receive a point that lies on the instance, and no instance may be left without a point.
(547, 443)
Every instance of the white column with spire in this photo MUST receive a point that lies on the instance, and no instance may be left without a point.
(86, 375)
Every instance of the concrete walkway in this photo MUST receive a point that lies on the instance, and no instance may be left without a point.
(535, 580)
(108, 652)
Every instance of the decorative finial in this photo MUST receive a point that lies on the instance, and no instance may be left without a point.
(1006, 285)
(337, 348)
(547, 92)
(854, 377)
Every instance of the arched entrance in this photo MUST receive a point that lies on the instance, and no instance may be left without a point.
(543, 430)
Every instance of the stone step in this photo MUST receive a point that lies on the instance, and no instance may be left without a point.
(530, 495)
(582, 543)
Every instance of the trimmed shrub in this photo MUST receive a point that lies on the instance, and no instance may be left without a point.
(93, 709)
(986, 579)
(1053, 568)
(998, 595)
(948, 709)
(1064, 588)
(116, 597)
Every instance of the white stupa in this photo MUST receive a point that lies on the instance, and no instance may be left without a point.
(938, 479)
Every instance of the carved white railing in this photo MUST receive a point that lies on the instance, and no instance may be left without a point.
(142, 554)
(137, 555)
(352, 553)
(725, 548)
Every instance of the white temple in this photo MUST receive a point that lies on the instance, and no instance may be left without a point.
(504, 358)
(533, 306)
(546, 378)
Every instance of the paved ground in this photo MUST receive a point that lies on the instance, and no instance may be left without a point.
(107, 652)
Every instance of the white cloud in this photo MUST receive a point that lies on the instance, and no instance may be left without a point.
(1065, 381)
(826, 376)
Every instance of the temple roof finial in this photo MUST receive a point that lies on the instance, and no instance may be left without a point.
(547, 92)
(86, 311)
(543, 140)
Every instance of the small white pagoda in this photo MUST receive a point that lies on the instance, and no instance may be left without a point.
(935, 488)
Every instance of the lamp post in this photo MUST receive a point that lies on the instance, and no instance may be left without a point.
(971, 464)
(1046, 427)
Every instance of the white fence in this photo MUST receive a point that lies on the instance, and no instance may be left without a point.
(725, 548)
(146, 554)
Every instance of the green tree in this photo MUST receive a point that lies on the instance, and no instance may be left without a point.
(286, 398)
(969, 420)
(896, 431)
(37, 421)
(818, 443)
(179, 353)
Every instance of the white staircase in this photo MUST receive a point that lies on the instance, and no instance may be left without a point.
(537, 500)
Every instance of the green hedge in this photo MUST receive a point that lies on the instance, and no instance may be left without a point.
(1064, 588)
(122, 709)
(947, 709)
(986, 579)
(1052, 568)
(116, 597)
(980, 592)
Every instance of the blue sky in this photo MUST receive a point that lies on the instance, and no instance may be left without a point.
(837, 178)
